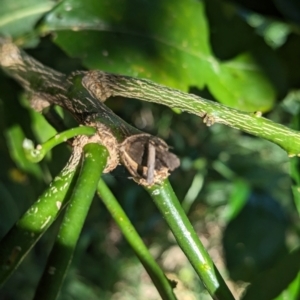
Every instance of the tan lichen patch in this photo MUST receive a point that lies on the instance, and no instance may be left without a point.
(15, 253)
(51, 270)
(10, 55)
(58, 204)
(103, 137)
(258, 114)
(38, 103)
(209, 120)
(96, 82)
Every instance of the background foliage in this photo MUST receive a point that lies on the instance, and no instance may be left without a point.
(235, 188)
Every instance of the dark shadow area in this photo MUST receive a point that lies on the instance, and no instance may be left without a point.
(269, 284)
(254, 240)
(286, 10)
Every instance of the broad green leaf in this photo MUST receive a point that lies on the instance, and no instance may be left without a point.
(165, 41)
(280, 283)
(239, 80)
(18, 17)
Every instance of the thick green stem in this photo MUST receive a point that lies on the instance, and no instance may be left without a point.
(213, 112)
(83, 193)
(159, 279)
(295, 175)
(169, 206)
(31, 226)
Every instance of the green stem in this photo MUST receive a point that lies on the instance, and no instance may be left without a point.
(38, 153)
(213, 112)
(295, 168)
(32, 225)
(62, 252)
(169, 206)
(158, 277)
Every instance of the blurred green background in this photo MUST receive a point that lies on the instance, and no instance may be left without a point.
(235, 188)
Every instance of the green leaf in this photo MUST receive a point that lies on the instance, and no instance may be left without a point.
(292, 291)
(240, 83)
(18, 17)
(166, 41)
(250, 247)
(281, 282)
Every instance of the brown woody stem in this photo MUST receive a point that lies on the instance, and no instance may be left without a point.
(53, 86)
(75, 94)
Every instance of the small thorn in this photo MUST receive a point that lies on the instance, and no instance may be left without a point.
(150, 163)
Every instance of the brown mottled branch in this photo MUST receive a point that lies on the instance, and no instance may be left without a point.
(126, 144)
(103, 85)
